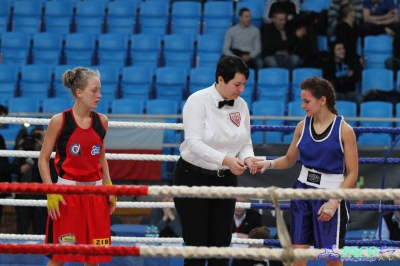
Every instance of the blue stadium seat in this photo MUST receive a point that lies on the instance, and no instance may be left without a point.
(153, 18)
(57, 104)
(47, 48)
(300, 74)
(201, 78)
(347, 109)
(89, 17)
(179, 50)
(374, 139)
(273, 83)
(186, 18)
(377, 49)
(9, 135)
(127, 106)
(79, 49)
(27, 16)
(217, 17)
(23, 105)
(109, 76)
(102, 107)
(322, 41)
(209, 49)
(121, 17)
(58, 16)
(380, 79)
(171, 83)
(5, 15)
(137, 82)
(376, 109)
(265, 108)
(315, 5)
(15, 48)
(294, 109)
(166, 107)
(8, 81)
(256, 8)
(36, 81)
(249, 89)
(59, 89)
(146, 50)
(113, 50)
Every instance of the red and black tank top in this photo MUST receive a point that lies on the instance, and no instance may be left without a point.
(78, 150)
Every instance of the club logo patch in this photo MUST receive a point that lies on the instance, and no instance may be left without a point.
(235, 118)
(75, 149)
(67, 239)
(95, 149)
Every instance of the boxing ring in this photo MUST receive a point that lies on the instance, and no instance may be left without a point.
(282, 247)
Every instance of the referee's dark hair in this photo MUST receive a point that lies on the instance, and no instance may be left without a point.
(228, 66)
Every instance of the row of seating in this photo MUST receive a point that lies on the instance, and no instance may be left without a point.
(140, 82)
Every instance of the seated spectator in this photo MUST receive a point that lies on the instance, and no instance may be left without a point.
(343, 73)
(390, 225)
(380, 17)
(167, 220)
(279, 44)
(257, 233)
(244, 220)
(347, 31)
(393, 63)
(243, 40)
(334, 16)
(291, 8)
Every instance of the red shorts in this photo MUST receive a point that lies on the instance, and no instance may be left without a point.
(84, 220)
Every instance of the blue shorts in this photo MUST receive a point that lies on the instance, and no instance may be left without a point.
(307, 230)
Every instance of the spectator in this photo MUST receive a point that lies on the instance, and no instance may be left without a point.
(394, 62)
(243, 40)
(334, 16)
(390, 225)
(343, 73)
(279, 44)
(291, 8)
(347, 31)
(6, 169)
(380, 16)
(258, 233)
(167, 220)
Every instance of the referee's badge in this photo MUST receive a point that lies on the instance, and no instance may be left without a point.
(235, 118)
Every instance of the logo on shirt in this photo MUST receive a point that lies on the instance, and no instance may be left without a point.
(95, 149)
(75, 149)
(235, 117)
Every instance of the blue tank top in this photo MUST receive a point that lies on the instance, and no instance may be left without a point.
(325, 155)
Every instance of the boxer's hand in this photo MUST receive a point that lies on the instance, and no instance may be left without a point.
(262, 166)
(112, 199)
(327, 210)
(53, 202)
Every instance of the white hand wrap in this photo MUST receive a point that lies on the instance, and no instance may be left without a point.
(329, 207)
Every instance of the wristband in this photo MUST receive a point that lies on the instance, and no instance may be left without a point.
(271, 164)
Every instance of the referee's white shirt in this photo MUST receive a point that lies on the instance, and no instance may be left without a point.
(212, 133)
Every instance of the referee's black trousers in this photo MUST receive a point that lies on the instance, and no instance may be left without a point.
(205, 222)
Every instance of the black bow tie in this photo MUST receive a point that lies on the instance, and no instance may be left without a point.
(227, 102)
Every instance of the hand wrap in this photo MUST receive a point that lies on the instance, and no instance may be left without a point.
(53, 201)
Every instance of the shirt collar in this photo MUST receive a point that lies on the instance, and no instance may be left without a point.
(238, 221)
(215, 95)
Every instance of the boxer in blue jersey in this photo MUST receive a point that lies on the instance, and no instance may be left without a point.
(327, 148)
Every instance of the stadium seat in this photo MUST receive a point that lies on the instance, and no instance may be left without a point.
(58, 16)
(171, 83)
(113, 50)
(267, 108)
(27, 16)
(8, 81)
(179, 50)
(273, 83)
(153, 18)
(137, 82)
(315, 5)
(59, 89)
(376, 109)
(23, 105)
(379, 79)
(5, 15)
(322, 41)
(300, 74)
(347, 109)
(47, 48)
(109, 76)
(186, 18)
(102, 107)
(36, 81)
(374, 139)
(248, 94)
(146, 50)
(217, 17)
(57, 104)
(377, 48)
(256, 8)
(89, 17)
(294, 109)
(79, 49)
(209, 49)
(201, 78)
(9, 135)
(15, 48)
(121, 17)
(127, 106)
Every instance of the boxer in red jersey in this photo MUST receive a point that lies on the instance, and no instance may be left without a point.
(78, 136)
